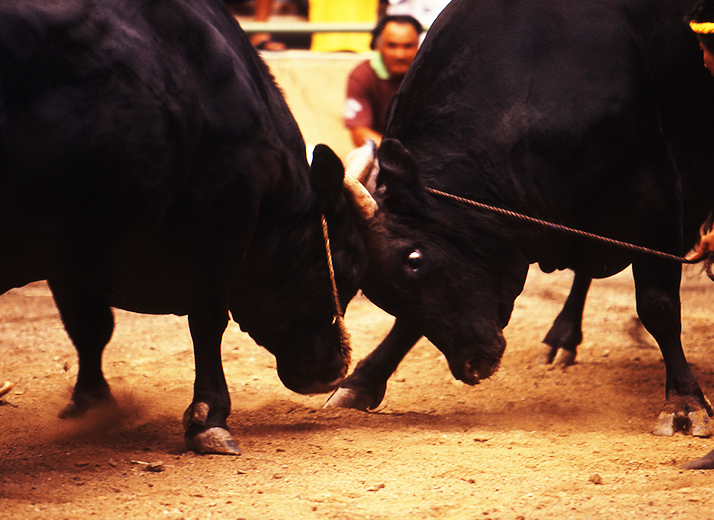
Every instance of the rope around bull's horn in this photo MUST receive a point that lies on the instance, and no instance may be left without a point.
(708, 261)
(335, 295)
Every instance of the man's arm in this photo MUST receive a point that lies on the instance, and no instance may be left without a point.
(358, 113)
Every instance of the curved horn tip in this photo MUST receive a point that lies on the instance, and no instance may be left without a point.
(360, 161)
(362, 200)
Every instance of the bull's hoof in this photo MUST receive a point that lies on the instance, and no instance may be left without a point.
(207, 440)
(697, 423)
(706, 462)
(558, 357)
(548, 354)
(701, 424)
(564, 358)
(349, 398)
(80, 405)
(214, 440)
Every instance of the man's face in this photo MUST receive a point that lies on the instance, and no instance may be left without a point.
(398, 46)
(708, 59)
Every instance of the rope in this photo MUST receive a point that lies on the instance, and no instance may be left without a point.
(335, 295)
(565, 229)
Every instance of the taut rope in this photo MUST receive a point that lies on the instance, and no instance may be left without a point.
(565, 229)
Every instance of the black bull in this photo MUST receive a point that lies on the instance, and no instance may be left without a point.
(597, 115)
(148, 162)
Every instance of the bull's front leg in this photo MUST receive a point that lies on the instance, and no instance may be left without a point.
(365, 388)
(658, 306)
(566, 332)
(205, 419)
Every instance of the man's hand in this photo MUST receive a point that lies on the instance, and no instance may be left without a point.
(360, 134)
(705, 245)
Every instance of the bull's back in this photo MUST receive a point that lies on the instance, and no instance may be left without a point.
(515, 64)
(542, 103)
(131, 133)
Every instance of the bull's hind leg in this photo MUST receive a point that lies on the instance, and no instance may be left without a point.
(89, 322)
(658, 305)
(365, 388)
(205, 418)
(566, 332)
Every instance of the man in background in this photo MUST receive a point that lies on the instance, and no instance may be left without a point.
(372, 83)
(425, 11)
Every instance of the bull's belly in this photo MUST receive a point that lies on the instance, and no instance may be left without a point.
(161, 287)
(164, 270)
(592, 262)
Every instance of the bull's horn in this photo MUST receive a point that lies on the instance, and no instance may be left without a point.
(363, 202)
(360, 161)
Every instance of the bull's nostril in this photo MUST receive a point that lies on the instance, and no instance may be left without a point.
(472, 374)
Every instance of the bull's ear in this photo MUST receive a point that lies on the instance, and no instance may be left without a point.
(399, 176)
(327, 173)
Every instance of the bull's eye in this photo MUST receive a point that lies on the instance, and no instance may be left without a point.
(415, 260)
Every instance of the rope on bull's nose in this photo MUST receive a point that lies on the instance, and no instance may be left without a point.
(565, 229)
(335, 295)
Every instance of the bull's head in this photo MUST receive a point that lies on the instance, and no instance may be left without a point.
(450, 272)
(293, 311)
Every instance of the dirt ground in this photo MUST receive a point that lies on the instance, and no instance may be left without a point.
(530, 443)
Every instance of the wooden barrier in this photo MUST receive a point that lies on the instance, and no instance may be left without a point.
(314, 85)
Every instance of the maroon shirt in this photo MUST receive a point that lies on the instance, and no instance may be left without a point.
(368, 97)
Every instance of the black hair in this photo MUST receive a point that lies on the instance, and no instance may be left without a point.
(397, 18)
(702, 12)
